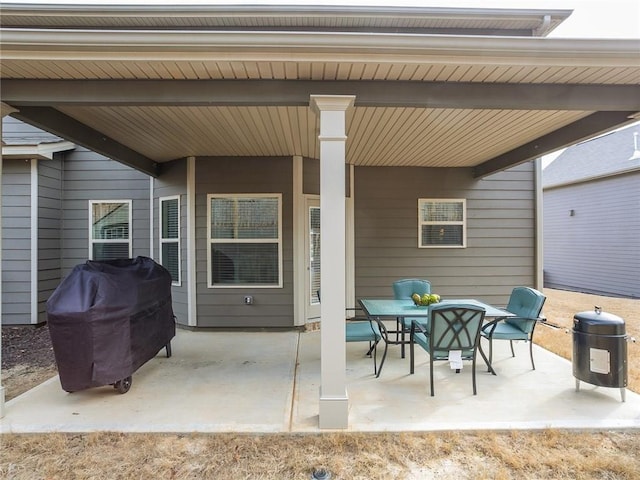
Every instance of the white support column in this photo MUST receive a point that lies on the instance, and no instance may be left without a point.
(6, 110)
(34, 241)
(334, 402)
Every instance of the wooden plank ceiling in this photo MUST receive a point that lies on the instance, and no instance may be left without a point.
(322, 70)
(377, 136)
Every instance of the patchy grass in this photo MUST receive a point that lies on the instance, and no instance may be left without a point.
(495, 455)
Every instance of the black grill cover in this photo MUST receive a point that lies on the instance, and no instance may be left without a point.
(106, 319)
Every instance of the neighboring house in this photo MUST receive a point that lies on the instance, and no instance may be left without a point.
(406, 139)
(52, 190)
(592, 216)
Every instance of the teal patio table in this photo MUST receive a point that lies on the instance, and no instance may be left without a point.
(379, 310)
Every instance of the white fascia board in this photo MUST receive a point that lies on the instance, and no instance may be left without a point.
(153, 45)
(42, 151)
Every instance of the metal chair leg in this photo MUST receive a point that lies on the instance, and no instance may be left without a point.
(411, 358)
(473, 375)
(371, 347)
(375, 354)
(384, 356)
(533, 365)
(491, 353)
(431, 375)
(484, 357)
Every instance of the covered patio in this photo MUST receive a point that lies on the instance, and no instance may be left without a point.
(433, 88)
(268, 382)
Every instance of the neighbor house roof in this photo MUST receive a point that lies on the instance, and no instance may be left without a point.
(614, 153)
(20, 133)
(433, 87)
(23, 141)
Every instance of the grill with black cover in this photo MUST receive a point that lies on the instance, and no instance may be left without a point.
(107, 318)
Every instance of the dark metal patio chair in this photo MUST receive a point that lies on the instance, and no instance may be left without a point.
(449, 328)
(402, 290)
(527, 304)
(359, 328)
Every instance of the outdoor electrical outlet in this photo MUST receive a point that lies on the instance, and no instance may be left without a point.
(248, 300)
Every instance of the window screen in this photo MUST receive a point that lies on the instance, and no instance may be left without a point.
(245, 240)
(170, 236)
(110, 229)
(441, 223)
(314, 255)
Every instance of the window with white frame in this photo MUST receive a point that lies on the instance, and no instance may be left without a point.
(109, 229)
(170, 236)
(442, 223)
(245, 240)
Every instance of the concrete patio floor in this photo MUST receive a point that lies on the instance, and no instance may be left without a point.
(269, 382)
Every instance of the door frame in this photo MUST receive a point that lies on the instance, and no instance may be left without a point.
(300, 261)
(311, 310)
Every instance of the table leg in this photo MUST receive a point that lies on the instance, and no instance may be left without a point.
(486, 360)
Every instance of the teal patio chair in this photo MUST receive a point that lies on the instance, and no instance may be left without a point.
(359, 328)
(403, 289)
(526, 303)
(449, 327)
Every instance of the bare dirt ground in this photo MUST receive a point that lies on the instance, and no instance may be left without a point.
(27, 360)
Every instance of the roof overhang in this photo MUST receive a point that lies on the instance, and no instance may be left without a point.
(40, 151)
(425, 20)
(146, 96)
(591, 178)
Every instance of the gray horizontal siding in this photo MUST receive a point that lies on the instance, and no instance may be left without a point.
(16, 242)
(15, 254)
(311, 176)
(49, 230)
(500, 251)
(90, 176)
(173, 181)
(598, 248)
(223, 307)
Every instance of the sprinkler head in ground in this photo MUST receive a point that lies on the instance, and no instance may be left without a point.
(320, 474)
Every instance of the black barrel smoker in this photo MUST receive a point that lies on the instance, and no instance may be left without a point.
(106, 319)
(600, 350)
